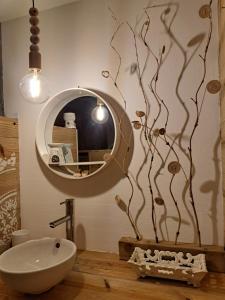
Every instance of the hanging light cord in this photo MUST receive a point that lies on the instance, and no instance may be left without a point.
(33, 3)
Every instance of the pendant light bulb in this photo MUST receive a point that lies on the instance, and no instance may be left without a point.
(34, 86)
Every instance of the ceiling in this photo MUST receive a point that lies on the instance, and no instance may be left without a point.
(11, 9)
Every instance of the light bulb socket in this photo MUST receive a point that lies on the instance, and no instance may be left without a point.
(34, 60)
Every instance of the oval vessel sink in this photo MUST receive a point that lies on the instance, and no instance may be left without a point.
(37, 265)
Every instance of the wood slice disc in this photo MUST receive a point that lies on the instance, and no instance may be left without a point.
(174, 167)
(205, 11)
(213, 86)
(136, 124)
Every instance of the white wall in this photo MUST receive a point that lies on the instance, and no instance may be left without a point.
(75, 49)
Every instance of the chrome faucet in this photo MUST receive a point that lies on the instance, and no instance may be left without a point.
(68, 219)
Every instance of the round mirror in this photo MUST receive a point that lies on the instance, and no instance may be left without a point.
(76, 133)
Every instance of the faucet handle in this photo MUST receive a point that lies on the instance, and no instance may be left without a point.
(66, 201)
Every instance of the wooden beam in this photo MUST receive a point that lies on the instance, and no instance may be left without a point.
(1, 77)
(221, 4)
(9, 127)
(66, 136)
(215, 255)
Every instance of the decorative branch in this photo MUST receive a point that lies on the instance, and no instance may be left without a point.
(157, 132)
(107, 74)
(152, 195)
(140, 79)
(196, 41)
(149, 130)
(126, 208)
(195, 100)
(150, 136)
(174, 168)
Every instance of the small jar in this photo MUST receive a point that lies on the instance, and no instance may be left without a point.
(69, 119)
(20, 236)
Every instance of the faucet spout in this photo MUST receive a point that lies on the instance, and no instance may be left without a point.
(59, 221)
(68, 219)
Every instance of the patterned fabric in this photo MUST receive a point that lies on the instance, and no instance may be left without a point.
(7, 165)
(9, 181)
(8, 216)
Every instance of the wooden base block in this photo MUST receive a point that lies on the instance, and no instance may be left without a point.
(215, 255)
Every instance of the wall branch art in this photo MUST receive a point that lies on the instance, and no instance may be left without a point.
(168, 159)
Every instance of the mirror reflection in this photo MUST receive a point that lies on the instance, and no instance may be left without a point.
(82, 135)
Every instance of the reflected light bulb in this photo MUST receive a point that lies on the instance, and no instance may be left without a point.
(100, 114)
(34, 87)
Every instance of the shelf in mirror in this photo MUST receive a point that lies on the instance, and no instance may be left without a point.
(84, 163)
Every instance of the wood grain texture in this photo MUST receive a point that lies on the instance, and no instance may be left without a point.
(66, 136)
(102, 276)
(9, 180)
(9, 127)
(215, 255)
(1, 77)
(221, 3)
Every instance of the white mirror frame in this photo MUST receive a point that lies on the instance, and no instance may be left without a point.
(46, 122)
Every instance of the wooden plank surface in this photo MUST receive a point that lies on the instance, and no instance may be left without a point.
(9, 180)
(102, 276)
(66, 136)
(1, 77)
(9, 127)
(221, 3)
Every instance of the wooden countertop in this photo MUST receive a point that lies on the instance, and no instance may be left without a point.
(102, 276)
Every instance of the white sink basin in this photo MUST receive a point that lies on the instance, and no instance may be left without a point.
(37, 265)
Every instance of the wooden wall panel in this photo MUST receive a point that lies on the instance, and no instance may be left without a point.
(66, 136)
(1, 78)
(9, 181)
(221, 4)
